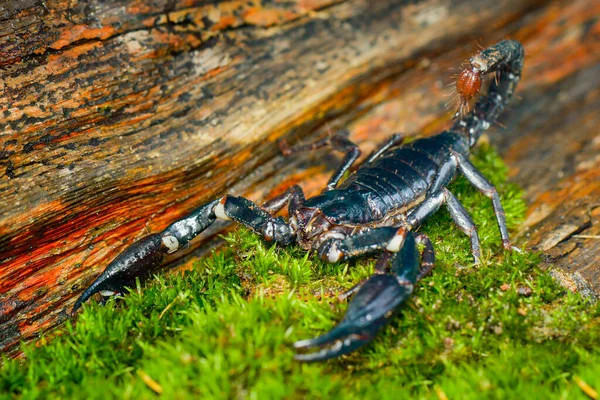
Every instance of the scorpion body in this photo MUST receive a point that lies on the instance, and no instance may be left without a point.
(374, 211)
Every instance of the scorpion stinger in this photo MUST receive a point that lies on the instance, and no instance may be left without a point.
(375, 210)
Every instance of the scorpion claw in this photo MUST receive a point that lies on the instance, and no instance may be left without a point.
(138, 260)
(367, 313)
(338, 348)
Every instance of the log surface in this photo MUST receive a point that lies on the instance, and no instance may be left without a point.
(121, 116)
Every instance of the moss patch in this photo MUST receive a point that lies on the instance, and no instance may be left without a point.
(224, 330)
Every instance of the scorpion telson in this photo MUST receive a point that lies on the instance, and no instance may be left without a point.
(374, 211)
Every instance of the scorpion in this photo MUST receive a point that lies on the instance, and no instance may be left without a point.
(375, 210)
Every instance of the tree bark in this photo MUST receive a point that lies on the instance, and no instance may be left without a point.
(121, 116)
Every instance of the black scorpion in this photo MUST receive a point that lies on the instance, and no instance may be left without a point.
(375, 210)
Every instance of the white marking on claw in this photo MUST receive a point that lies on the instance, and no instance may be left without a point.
(302, 343)
(334, 254)
(107, 293)
(407, 284)
(220, 212)
(395, 244)
(171, 243)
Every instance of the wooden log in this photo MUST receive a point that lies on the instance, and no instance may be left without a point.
(114, 107)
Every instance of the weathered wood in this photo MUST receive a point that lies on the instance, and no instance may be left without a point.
(162, 109)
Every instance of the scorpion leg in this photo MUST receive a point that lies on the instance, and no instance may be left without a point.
(463, 220)
(337, 141)
(427, 255)
(395, 140)
(438, 195)
(372, 306)
(457, 212)
(293, 197)
(485, 187)
(145, 256)
(352, 151)
(446, 171)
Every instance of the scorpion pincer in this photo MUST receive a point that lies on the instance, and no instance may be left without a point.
(374, 211)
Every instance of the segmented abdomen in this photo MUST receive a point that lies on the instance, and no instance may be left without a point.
(400, 176)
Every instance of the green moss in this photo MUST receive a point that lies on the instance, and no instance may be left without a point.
(225, 329)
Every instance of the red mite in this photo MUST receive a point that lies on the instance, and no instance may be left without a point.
(468, 85)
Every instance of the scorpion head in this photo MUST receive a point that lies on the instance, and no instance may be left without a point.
(309, 223)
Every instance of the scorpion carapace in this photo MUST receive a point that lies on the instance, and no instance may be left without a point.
(374, 211)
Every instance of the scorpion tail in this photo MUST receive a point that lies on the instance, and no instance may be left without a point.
(370, 309)
(138, 260)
